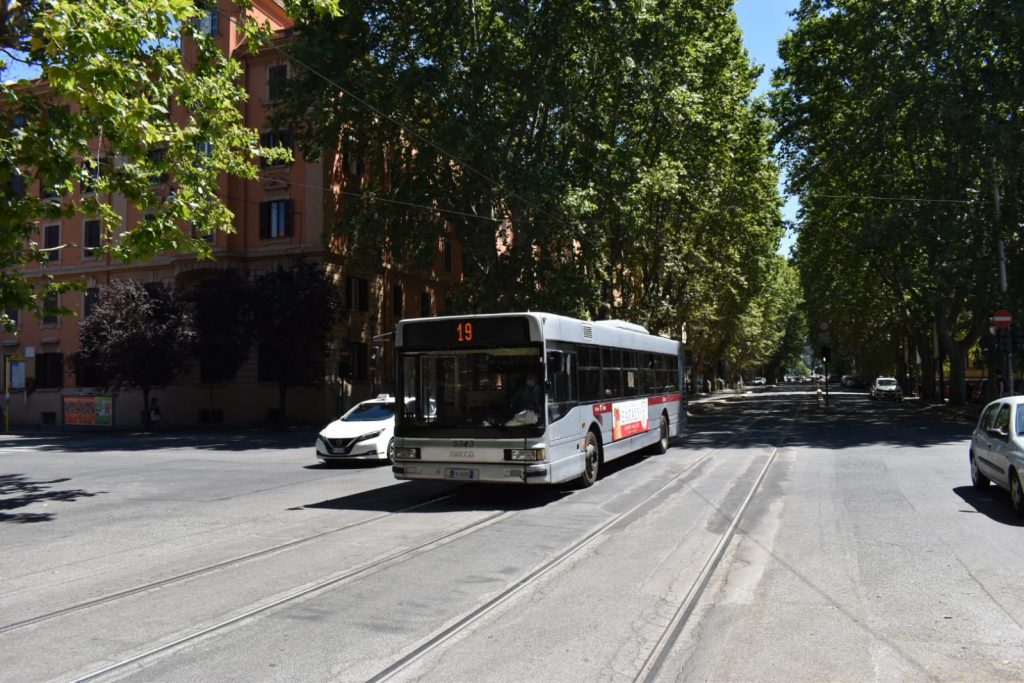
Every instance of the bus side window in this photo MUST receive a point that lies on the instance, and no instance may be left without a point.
(590, 374)
(562, 384)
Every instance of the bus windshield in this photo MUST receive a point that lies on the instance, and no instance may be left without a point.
(501, 387)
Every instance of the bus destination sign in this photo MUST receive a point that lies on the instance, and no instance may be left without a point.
(455, 333)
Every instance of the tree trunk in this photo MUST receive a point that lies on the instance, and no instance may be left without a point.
(957, 375)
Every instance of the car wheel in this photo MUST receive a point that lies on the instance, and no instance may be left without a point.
(1016, 493)
(662, 444)
(591, 461)
(391, 450)
(979, 480)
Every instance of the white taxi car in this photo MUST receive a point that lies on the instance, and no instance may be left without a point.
(997, 448)
(886, 387)
(366, 432)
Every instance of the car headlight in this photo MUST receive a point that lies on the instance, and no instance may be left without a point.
(405, 453)
(371, 435)
(525, 454)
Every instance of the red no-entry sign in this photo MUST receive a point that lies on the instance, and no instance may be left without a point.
(1002, 318)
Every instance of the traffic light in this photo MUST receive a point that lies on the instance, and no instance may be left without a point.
(826, 352)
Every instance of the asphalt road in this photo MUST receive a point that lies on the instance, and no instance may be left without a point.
(779, 540)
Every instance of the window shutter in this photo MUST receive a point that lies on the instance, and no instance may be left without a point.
(264, 220)
(266, 140)
(289, 210)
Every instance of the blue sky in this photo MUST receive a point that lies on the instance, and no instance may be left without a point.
(763, 23)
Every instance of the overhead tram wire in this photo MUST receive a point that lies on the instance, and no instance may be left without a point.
(919, 200)
(375, 198)
(410, 130)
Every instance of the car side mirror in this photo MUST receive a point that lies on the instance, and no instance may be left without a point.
(997, 433)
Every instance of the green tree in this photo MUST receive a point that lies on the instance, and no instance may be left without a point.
(222, 308)
(292, 318)
(139, 337)
(900, 124)
(114, 106)
(761, 330)
(594, 159)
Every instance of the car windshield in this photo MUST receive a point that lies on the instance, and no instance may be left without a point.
(368, 412)
(886, 383)
(479, 388)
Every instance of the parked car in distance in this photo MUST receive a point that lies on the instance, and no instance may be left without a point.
(759, 381)
(852, 381)
(997, 448)
(366, 432)
(886, 387)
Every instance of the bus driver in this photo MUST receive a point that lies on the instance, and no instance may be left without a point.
(529, 396)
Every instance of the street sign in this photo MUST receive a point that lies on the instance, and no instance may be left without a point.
(1002, 318)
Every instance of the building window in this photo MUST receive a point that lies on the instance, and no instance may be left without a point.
(276, 219)
(49, 193)
(93, 172)
(277, 79)
(446, 252)
(90, 238)
(358, 361)
(194, 231)
(209, 23)
(17, 184)
(397, 301)
(357, 293)
(276, 138)
(91, 299)
(425, 304)
(156, 157)
(51, 241)
(49, 371)
(50, 306)
(13, 315)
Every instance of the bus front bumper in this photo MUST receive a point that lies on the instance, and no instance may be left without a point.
(504, 473)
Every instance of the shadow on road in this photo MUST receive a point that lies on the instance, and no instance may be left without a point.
(405, 494)
(852, 420)
(102, 442)
(18, 491)
(993, 502)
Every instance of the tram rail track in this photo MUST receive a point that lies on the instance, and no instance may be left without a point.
(438, 639)
(294, 596)
(656, 658)
(207, 569)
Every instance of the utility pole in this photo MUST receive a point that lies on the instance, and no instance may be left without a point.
(1002, 271)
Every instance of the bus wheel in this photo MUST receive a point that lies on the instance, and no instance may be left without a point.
(591, 461)
(662, 444)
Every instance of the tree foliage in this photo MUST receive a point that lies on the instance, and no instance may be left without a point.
(900, 123)
(222, 308)
(113, 108)
(593, 159)
(139, 336)
(293, 311)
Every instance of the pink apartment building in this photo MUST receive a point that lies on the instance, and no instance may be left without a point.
(277, 218)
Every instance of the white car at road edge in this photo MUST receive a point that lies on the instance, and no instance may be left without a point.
(997, 448)
(366, 432)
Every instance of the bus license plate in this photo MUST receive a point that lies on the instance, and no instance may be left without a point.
(460, 473)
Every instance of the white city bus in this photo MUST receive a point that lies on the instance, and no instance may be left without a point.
(465, 411)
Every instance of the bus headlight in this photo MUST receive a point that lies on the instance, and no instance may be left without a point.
(526, 454)
(403, 453)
